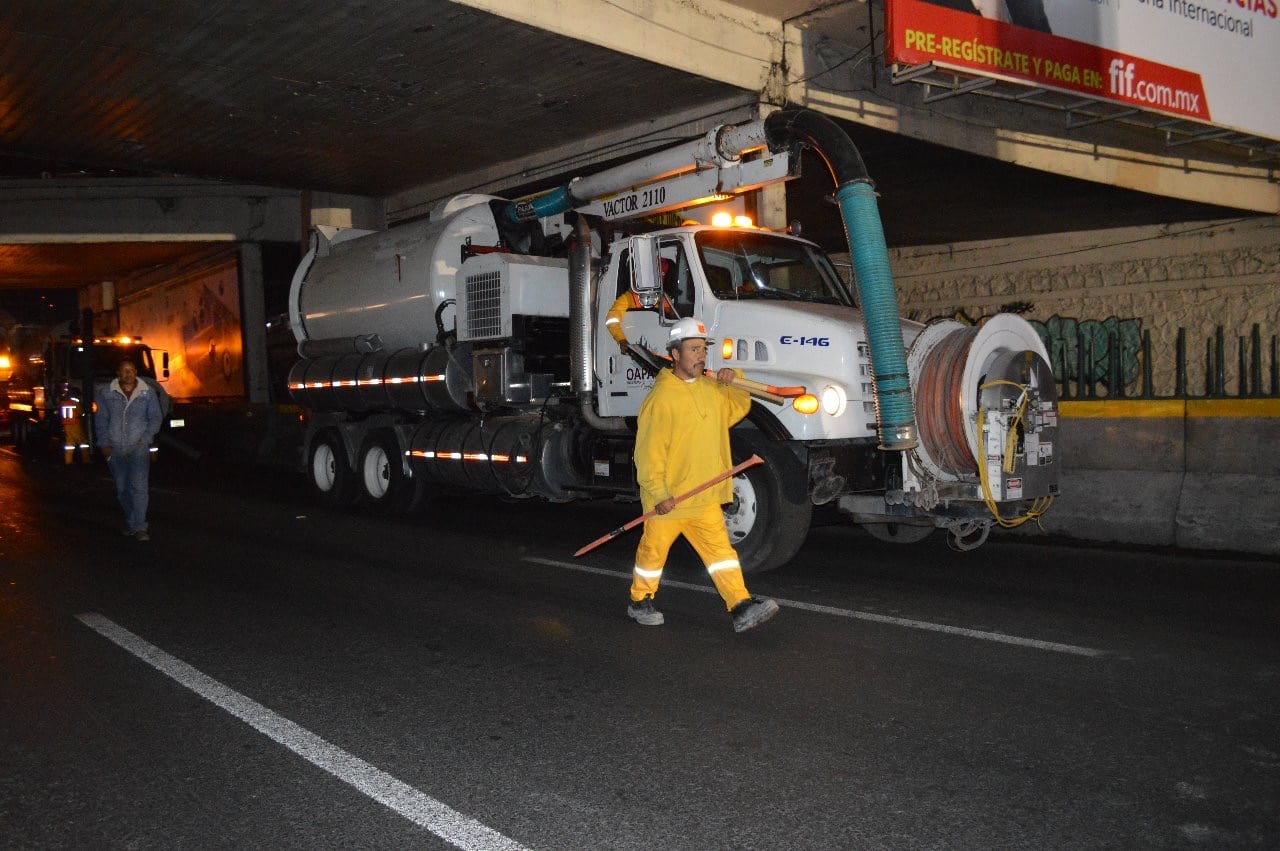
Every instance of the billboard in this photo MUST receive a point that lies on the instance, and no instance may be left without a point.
(1214, 61)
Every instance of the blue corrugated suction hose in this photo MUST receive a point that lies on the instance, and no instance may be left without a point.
(894, 410)
(856, 196)
(549, 204)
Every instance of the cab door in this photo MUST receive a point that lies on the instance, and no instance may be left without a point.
(627, 379)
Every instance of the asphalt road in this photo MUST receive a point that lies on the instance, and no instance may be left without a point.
(269, 674)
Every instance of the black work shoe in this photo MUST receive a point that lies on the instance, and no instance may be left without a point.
(752, 612)
(644, 613)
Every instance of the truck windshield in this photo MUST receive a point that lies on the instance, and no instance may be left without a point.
(754, 265)
(107, 358)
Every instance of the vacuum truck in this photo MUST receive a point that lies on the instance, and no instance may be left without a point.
(470, 350)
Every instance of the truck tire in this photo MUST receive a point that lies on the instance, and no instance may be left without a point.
(31, 438)
(19, 432)
(768, 519)
(331, 475)
(383, 485)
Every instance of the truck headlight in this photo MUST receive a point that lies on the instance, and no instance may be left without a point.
(834, 400)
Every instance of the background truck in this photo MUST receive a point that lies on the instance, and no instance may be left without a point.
(47, 363)
(470, 351)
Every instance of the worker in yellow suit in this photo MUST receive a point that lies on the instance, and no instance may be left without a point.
(75, 443)
(629, 300)
(682, 441)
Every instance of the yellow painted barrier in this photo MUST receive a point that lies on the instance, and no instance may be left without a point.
(1165, 408)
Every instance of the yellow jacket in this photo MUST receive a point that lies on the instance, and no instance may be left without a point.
(683, 440)
(628, 301)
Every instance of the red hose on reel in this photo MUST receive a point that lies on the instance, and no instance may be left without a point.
(938, 403)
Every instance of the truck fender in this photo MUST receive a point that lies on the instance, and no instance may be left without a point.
(769, 517)
(792, 472)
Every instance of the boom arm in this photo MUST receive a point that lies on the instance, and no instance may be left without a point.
(687, 174)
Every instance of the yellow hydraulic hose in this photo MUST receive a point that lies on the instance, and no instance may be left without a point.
(1038, 506)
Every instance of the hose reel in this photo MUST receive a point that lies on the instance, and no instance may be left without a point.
(986, 407)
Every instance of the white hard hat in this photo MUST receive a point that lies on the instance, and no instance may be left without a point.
(686, 329)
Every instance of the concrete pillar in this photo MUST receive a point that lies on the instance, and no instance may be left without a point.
(344, 211)
(771, 200)
(771, 206)
(253, 321)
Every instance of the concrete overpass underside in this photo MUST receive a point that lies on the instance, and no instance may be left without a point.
(389, 107)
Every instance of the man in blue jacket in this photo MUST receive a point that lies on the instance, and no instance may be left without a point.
(127, 420)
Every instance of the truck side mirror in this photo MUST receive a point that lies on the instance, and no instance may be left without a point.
(645, 281)
(164, 364)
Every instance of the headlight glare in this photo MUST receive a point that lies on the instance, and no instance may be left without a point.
(834, 400)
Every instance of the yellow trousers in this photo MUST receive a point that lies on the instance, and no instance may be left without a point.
(74, 445)
(710, 539)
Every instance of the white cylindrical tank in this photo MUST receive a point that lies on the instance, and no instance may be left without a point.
(389, 283)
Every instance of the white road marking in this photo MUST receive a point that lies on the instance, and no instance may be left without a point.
(983, 635)
(450, 825)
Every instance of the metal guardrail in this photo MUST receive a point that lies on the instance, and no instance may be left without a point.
(1086, 370)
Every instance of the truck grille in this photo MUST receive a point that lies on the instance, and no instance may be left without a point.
(483, 319)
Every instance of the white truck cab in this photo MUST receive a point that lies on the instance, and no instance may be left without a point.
(774, 306)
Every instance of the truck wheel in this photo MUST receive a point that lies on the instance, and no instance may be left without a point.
(31, 439)
(330, 473)
(898, 533)
(19, 430)
(767, 521)
(383, 484)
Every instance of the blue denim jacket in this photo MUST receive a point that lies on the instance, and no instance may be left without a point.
(124, 423)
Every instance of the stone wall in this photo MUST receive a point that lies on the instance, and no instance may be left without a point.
(1194, 275)
(1135, 473)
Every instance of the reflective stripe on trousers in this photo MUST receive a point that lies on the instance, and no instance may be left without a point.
(710, 539)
